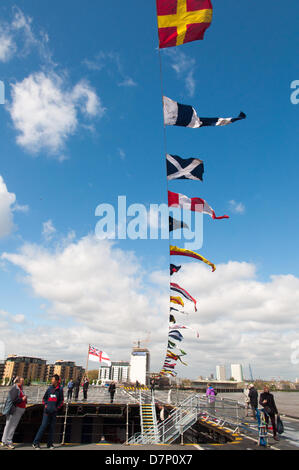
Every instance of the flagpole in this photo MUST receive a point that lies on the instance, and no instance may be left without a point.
(165, 153)
(100, 366)
(86, 368)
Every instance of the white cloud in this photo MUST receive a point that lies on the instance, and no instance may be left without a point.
(243, 320)
(20, 208)
(96, 64)
(237, 207)
(122, 153)
(127, 82)
(7, 201)
(100, 62)
(18, 38)
(109, 300)
(45, 113)
(87, 99)
(7, 46)
(48, 230)
(99, 290)
(8, 206)
(184, 67)
(19, 318)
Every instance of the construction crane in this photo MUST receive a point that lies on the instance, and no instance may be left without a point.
(250, 373)
(143, 341)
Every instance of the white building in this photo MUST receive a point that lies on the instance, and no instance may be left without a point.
(237, 372)
(118, 371)
(220, 373)
(104, 373)
(140, 365)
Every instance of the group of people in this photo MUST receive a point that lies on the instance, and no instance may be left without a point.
(252, 401)
(74, 388)
(15, 406)
(53, 400)
(267, 403)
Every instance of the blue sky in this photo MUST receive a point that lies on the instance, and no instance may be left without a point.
(105, 55)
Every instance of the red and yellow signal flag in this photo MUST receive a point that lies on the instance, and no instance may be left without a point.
(174, 250)
(177, 300)
(181, 21)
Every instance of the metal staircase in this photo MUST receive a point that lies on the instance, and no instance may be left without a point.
(149, 431)
(179, 420)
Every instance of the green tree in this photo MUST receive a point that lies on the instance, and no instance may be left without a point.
(93, 375)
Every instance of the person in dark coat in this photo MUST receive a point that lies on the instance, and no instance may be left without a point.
(152, 385)
(85, 386)
(253, 397)
(268, 403)
(53, 401)
(76, 389)
(111, 390)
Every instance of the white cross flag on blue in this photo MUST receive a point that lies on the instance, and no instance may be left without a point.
(184, 168)
(176, 114)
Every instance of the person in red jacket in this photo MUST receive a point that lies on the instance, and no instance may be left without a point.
(53, 401)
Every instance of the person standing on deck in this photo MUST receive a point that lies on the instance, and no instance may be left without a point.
(70, 387)
(268, 403)
(53, 401)
(85, 386)
(76, 389)
(253, 396)
(152, 386)
(111, 390)
(211, 396)
(14, 409)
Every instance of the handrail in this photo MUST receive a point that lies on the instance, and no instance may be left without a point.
(187, 413)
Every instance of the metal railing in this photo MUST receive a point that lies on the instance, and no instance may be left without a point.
(223, 412)
(180, 420)
(95, 395)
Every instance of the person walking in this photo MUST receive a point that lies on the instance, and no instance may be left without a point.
(53, 401)
(111, 390)
(253, 397)
(14, 409)
(70, 387)
(268, 403)
(211, 396)
(161, 415)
